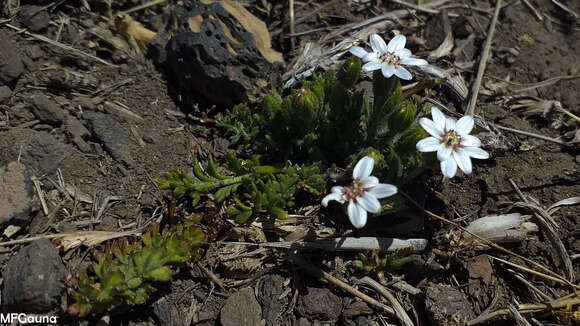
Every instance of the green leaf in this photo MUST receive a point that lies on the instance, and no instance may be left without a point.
(161, 274)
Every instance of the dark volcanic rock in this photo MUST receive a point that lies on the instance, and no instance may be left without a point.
(215, 55)
(110, 133)
(11, 66)
(16, 193)
(33, 278)
(47, 111)
(241, 309)
(319, 303)
(35, 18)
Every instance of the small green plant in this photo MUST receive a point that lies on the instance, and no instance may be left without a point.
(327, 120)
(127, 272)
(368, 263)
(252, 189)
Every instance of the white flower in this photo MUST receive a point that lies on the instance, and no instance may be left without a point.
(452, 142)
(364, 194)
(388, 58)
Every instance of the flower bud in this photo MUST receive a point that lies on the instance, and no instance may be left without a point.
(349, 72)
(305, 100)
(402, 117)
(376, 155)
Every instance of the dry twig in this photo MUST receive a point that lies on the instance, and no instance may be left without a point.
(400, 311)
(318, 273)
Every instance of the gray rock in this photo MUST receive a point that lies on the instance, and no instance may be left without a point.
(302, 322)
(35, 18)
(241, 309)
(5, 93)
(167, 313)
(110, 133)
(361, 321)
(46, 152)
(47, 110)
(11, 66)
(446, 305)
(271, 287)
(34, 278)
(40, 152)
(319, 303)
(16, 193)
(77, 133)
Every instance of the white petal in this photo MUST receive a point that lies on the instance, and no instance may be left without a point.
(444, 152)
(332, 196)
(358, 51)
(383, 190)
(397, 43)
(371, 65)
(431, 128)
(449, 168)
(371, 56)
(476, 152)
(377, 43)
(369, 203)
(403, 53)
(363, 168)
(450, 124)
(369, 182)
(463, 161)
(388, 70)
(464, 125)
(470, 141)
(414, 62)
(439, 118)
(429, 144)
(337, 189)
(403, 73)
(357, 215)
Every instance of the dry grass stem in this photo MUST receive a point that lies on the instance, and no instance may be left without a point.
(483, 61)
(545, 83)
(551, 274)
(143, 6)
(566, 9)
(40, 195)
(529, 134)
(534, 10)
(58, 44)
(548, 224)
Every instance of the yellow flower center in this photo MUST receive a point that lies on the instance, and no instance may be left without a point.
(390, 58)
(451, 139)
(352, 193)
